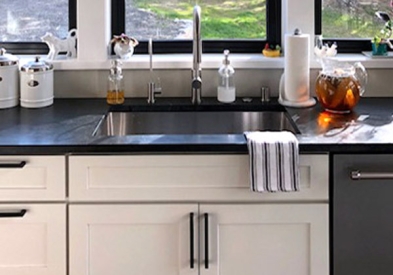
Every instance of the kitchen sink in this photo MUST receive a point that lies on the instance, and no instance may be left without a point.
(187, 121)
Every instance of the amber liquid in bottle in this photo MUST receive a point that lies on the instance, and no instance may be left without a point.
(114, 97)
(115, 90)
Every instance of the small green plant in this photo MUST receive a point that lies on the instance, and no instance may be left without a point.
(386, 32)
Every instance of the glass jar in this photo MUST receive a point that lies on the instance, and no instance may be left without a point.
(340, 85)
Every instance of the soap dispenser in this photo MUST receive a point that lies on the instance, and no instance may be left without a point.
(226, 90)
(115, 92)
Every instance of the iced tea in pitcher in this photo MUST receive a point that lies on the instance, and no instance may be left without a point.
(339, 88)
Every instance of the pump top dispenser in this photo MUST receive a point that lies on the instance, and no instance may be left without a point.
(115, 92)
(226, 90)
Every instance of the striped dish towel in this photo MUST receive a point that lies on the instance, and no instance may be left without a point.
(274, 161)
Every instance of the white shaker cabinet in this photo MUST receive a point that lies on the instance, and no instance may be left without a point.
(32, 178)
(153, 178)
(264, 239)
(132, 239)
(130, 215)
(233, 239)
(32, 239)
(33, 215)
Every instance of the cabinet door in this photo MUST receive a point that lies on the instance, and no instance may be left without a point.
(32, 242)
(264, 239)
(133, 239)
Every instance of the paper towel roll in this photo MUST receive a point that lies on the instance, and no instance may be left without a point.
(297, 67)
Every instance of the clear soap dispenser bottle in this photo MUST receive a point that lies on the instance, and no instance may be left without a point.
(226, 90)
(115, 93)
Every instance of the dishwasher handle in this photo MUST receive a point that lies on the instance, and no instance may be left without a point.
(358, 175)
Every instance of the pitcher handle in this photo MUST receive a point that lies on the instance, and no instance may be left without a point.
(362, 76)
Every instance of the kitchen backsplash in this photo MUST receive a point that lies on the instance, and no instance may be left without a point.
(177, 83)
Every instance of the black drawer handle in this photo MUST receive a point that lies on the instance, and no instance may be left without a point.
(13, 214)
(358, 175)
(20, 164)
(191, 240)
(206, 240)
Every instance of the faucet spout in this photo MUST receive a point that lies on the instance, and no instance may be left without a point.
(196, 85)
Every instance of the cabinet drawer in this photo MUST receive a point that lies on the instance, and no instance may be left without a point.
(184, 178)
(32, 178)
(32, 242)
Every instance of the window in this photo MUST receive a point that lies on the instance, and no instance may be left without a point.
(241, 26)
(351, 23)
(23, 22)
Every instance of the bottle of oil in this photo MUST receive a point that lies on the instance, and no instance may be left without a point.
(115, 93)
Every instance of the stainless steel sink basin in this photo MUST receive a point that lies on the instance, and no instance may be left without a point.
(192, 122)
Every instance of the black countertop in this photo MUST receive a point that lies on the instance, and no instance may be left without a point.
(67, 127)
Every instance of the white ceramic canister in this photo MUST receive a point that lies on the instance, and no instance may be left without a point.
(9, 80)
(36, 84)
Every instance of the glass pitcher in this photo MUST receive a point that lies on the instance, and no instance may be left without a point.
(339, 85)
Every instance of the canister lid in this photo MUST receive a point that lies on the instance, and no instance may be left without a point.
(36, 66)
(7, 59)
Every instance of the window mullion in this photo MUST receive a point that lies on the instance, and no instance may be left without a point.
(273, 21)
(72, 14)
(318, 17)
(118, 16)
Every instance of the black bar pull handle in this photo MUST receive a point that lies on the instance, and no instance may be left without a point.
(206, 240)
(191, 240)
(19, 164)
(13, 214)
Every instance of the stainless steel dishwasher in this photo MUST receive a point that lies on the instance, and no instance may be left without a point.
(362, 221)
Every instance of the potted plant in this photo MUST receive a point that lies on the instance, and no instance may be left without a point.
(380, 42)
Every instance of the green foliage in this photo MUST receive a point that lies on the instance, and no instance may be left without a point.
(220, 19)
(363, 24)
(246, 19)
(337, 24)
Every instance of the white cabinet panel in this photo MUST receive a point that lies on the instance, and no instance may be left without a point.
(37, 178)
(184, 178)
(242, 239)
(265, 239)
(33, 243)
(132, 239)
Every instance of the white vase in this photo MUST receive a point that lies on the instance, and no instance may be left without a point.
(124, 51)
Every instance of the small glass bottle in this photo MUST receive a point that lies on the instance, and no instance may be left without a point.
(226, 90)
(115, 93)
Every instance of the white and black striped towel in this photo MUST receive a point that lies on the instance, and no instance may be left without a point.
(274, 161)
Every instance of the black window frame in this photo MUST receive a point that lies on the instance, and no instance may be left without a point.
(39, 47)
(273, 35)
(356, 45)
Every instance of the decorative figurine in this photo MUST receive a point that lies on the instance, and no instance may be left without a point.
(325, 50)
(271, 50)
(57, 45)
(124, 45)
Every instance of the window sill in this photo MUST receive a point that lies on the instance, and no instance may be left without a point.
(209, 61)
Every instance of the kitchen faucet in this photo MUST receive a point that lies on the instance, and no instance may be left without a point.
(196, 85)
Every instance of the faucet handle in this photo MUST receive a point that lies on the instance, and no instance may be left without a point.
(196, 83)
(153, 89)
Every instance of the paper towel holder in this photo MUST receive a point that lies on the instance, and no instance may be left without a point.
(289, 103)
(301, 101)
